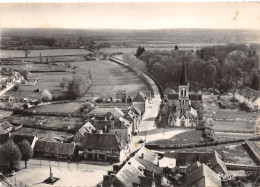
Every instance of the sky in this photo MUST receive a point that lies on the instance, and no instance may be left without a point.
(131, 15)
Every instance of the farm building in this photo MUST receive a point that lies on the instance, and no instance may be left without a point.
(106, 147)
(248, 96)
(55, 150)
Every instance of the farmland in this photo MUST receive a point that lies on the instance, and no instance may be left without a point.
(49, 81)
(46, 52)
(110, 77)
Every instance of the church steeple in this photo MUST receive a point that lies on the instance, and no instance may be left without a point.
(183, 80)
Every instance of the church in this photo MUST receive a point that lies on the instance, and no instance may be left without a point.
(181, 114)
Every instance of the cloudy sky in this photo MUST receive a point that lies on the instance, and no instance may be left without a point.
(131, 15)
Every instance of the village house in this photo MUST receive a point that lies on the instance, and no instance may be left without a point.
(87, 128)
(201, 175)
(122, 128)
(212, 159)
(248, 96)
(141, 169)
(104, 147)
(133, 115)
(141, 101)
(56, 150)
(6, 127)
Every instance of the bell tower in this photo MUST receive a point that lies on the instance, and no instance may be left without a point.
(184, 102)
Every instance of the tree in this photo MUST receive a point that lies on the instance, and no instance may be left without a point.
(46, 96)
(140, 51)
(64, 82)
(27, 51)
(255, 82)
(24, 73)
(10, 155)
(79, 84)
(26, 151)
(176, 47)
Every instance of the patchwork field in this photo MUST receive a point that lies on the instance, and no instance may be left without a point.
(46, 52)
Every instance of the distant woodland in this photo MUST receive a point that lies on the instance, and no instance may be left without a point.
(221, 67)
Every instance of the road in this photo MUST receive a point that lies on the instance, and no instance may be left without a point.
(148, 121)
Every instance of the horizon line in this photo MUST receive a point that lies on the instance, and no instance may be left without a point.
(198, 28)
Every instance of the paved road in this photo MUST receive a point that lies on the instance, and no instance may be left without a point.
(147, 124)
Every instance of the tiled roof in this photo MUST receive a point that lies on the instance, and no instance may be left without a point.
(141, 97)
(5, 125)
(148, 159)
(129, 174)
(247, 92)
(55, 147)
(89, 127)
(202, 171)
(103, 142)
(182, 158)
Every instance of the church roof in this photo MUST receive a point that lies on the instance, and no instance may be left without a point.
(183, 80)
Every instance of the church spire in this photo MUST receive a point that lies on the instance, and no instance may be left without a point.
(183, 80)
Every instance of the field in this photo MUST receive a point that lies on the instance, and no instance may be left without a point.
(45, 121)
(48, 80)
(234, 126)
(46, 52)
(62, 107)
(110, 77)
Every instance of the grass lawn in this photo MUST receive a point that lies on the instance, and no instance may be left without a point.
(110, 77)
(232, 136)
(189, 136)
(234, 126)
(62, 107)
